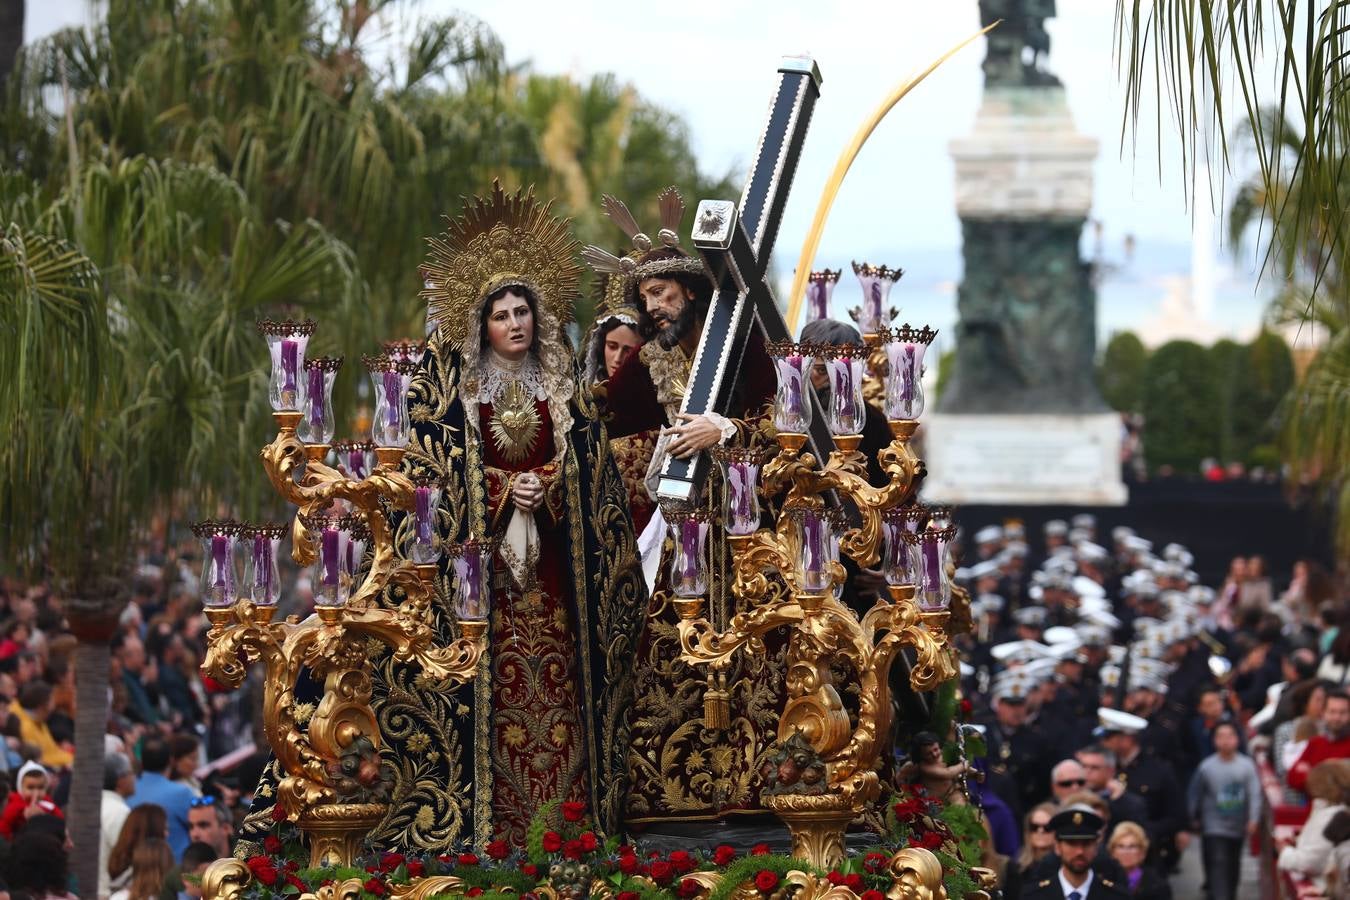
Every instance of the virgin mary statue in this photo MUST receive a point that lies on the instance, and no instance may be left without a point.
(519, 453)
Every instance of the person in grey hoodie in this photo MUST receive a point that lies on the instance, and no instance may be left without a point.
(1225, 803)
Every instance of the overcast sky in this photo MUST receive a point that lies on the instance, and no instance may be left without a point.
(714, 63)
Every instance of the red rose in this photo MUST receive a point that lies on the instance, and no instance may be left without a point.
(272, 845)
(628, 864)
(498, 849)
(931, 841)
(278, 813)
(766, 881)
(836, 877)
(445, 858)
(416, 869)
(530, 870)
(468, 859)
(760, 850)
(689, 888)
(589, 842)
(661, 871)
(626, 850)
(292, 865)
(628, 895)
(966, 707)
(473, 892)
(296, 883)
(872, 895)
(374, 886)
(574, 811)
(854, 883)
(552, 842)
(391, 861)
(875, 862)
(262, 869)
(683, 862)
(723, 855)
(572, 849)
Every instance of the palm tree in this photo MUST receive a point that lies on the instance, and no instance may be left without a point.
(1186, 52)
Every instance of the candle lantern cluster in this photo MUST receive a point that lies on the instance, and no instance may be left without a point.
(342, 532)
(792, 572)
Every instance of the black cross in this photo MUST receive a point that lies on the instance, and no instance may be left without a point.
(736, 243)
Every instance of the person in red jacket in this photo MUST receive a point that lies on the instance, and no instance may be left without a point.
(31, 799)
(1332, 743)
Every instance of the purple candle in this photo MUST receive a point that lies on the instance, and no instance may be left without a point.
(817, 298)
(908, 371)
(473, 581)
(220, 557)
(689, 545)
(290, 363)
(356, 463)
(794, 387)
(316, 398)
(813, 561)
(874, 305)
(845, 391)
(331, 557)
(932, 565)
(393, 397)
(262, 564)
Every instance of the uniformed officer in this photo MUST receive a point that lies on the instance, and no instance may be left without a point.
(1151, 778)
(1019, 758)
(1078, 834)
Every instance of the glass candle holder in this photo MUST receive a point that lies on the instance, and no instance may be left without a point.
(261, 577)
(845, 364)
(688, 566)
(219, 584)
(404, 350)
(286, 344)
(330, 535)
(740, 484)
(358, 538)
(317, 425)
(896, 565)
(876, 284)
(471, 561)
(819, 287)
(424, 544)
(929, 552)
(355, 458)
(391, 377)
(904, 384)
(792, 403)
(815, 532)
(939, 517)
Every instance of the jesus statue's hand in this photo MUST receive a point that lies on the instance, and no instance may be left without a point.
(694, 433)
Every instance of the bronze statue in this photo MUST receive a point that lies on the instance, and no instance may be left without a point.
(1018, 47)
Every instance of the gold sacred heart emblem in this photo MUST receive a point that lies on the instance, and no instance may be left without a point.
(515, 422)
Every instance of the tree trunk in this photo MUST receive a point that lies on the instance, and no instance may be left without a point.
(92, 659)
(11, 35)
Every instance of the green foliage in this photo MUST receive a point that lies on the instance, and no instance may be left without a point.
(1264, 381)
(1120, 375)
(1180, 407)
(956, 877)
(964, 822)
(234, 160)
(1227, 359)
(747, 867)
(543, 821)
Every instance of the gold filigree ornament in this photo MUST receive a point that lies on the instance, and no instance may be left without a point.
(515, 422)
(500, 241)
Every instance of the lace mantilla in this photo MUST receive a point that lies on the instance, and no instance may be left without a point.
(496, 373)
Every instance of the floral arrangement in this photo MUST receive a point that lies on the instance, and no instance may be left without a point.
(564, 857)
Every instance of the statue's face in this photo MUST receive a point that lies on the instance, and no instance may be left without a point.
(671, 307)
(621, 341)
(510, 325)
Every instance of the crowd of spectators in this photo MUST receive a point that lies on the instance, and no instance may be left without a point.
(1107, 679)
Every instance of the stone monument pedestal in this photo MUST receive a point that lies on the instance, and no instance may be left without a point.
(1024, 458)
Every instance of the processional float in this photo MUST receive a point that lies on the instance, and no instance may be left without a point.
(789, 575)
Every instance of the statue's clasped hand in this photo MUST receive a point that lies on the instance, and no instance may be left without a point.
(527, 492)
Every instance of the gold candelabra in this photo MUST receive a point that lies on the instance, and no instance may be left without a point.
(835, 760)
(334, 784)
